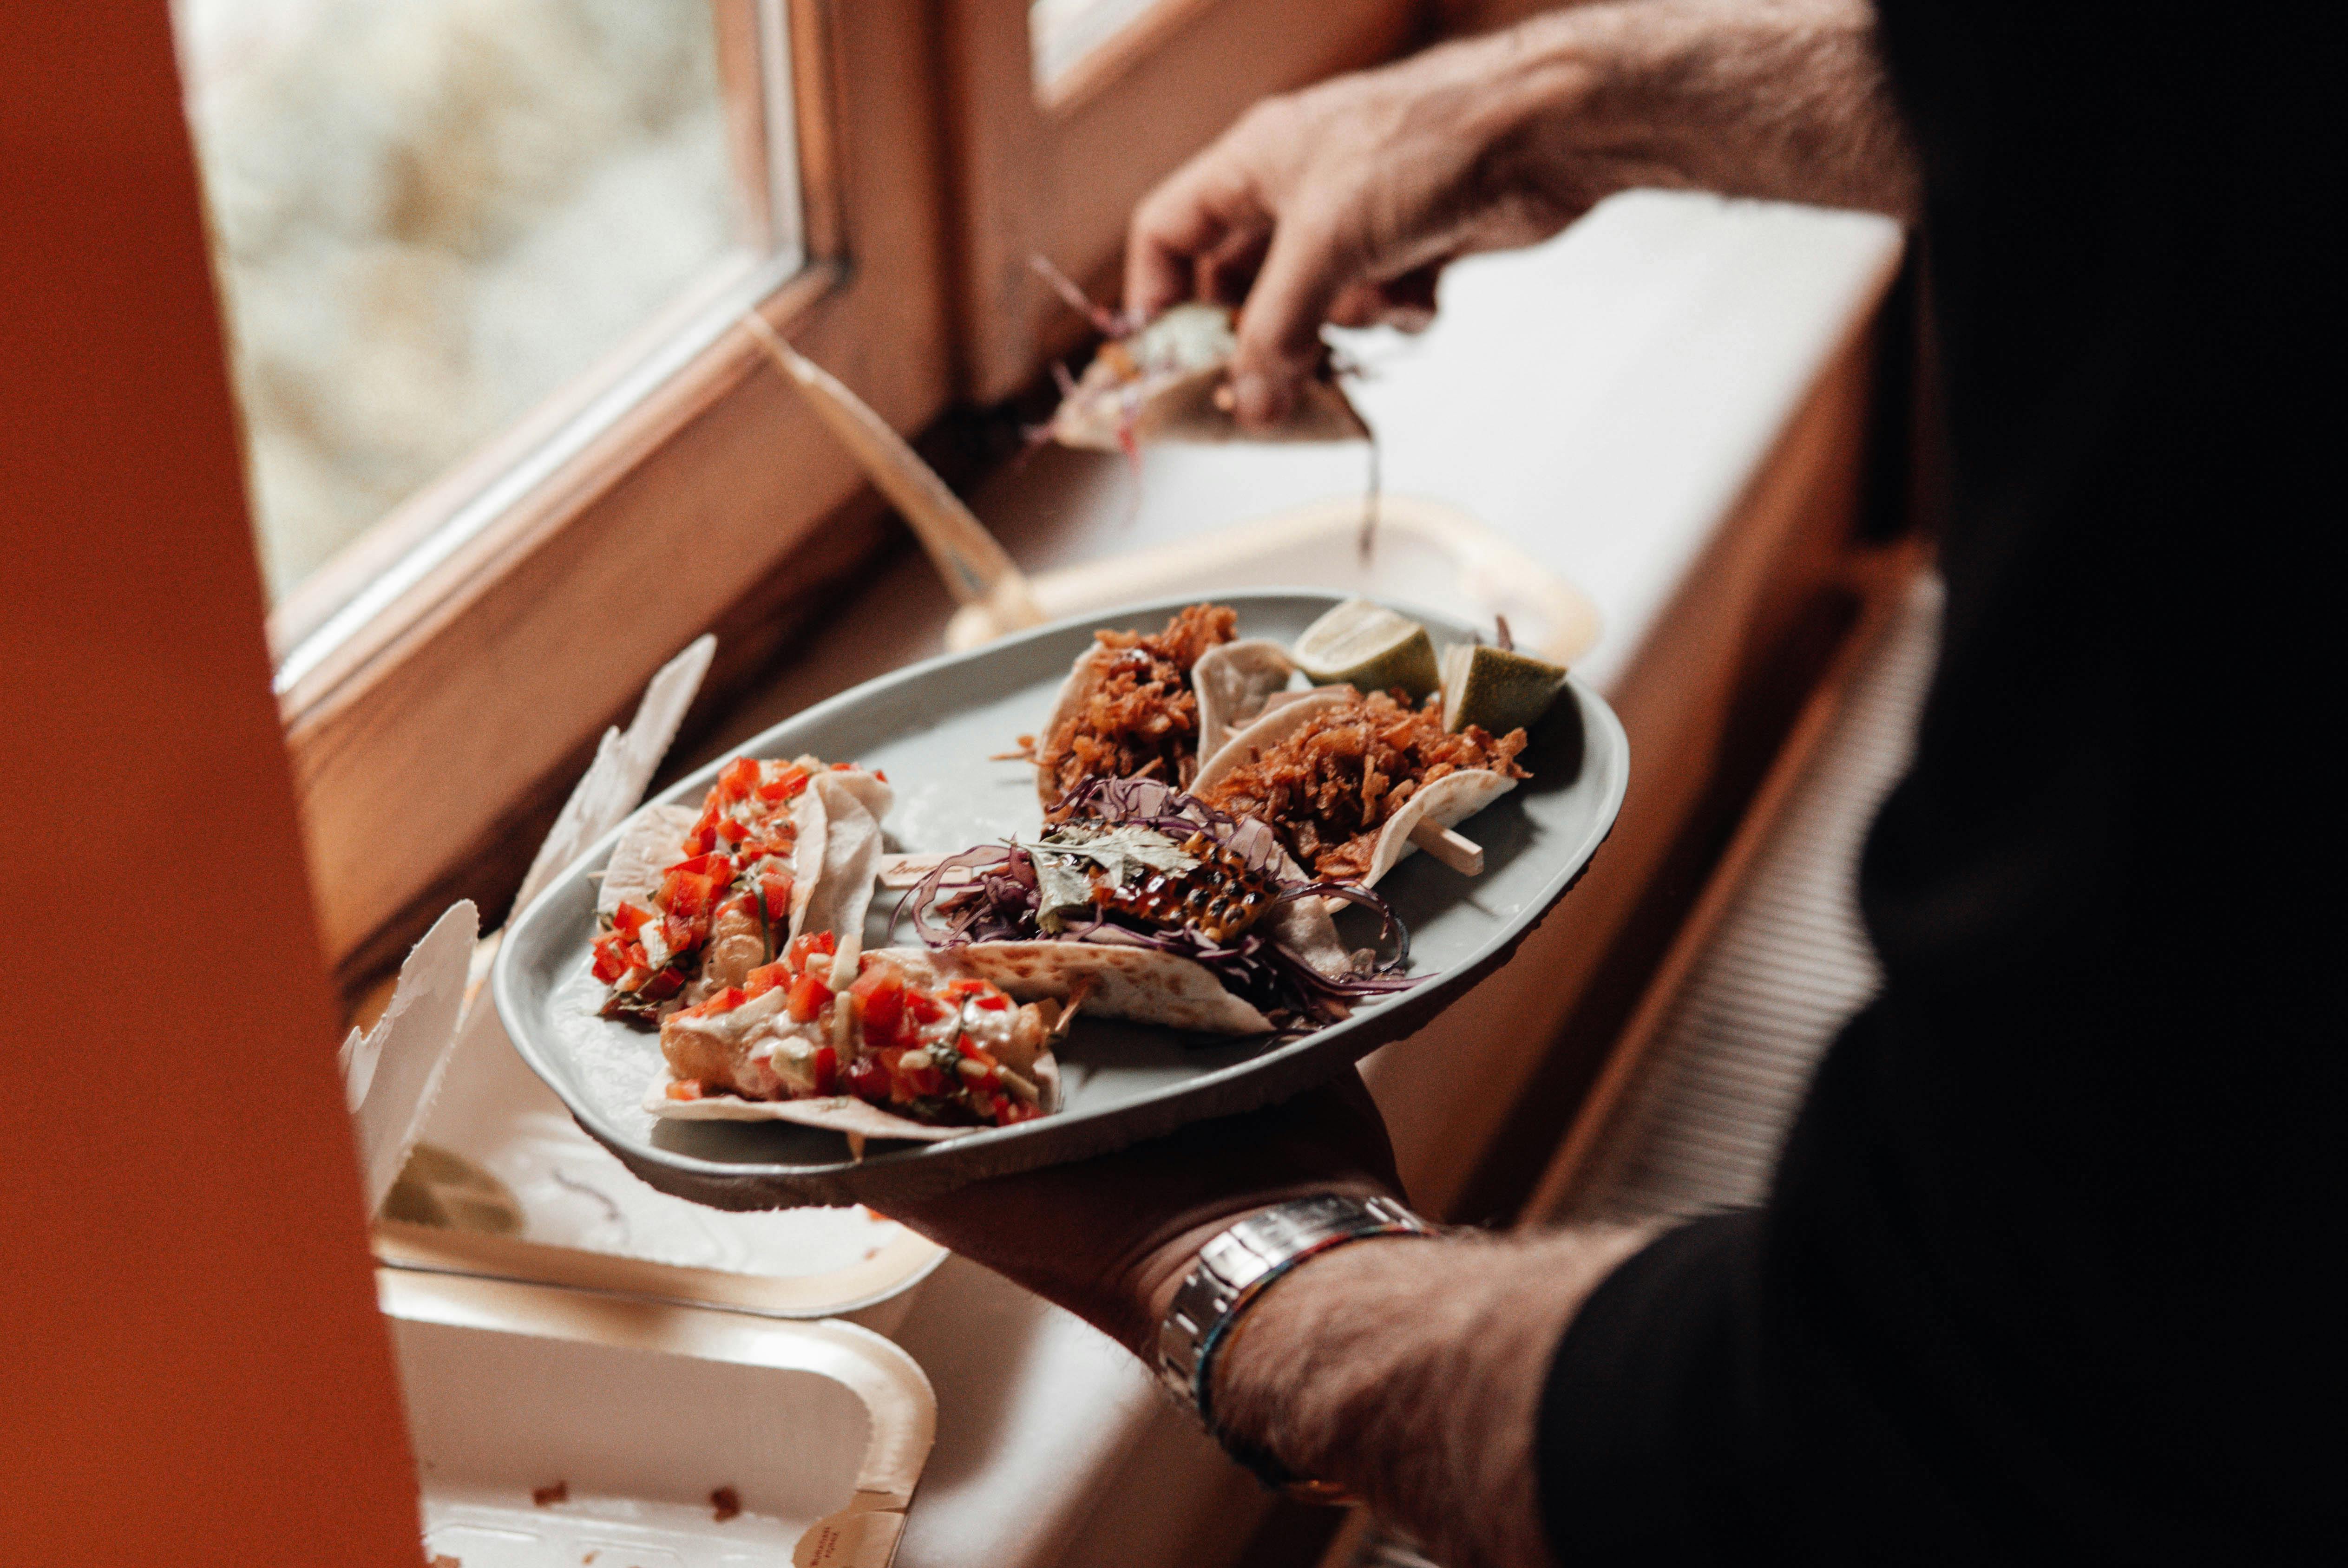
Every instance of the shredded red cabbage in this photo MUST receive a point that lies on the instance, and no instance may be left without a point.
(997, 898)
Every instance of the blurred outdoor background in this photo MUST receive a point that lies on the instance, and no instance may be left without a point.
(429, 214)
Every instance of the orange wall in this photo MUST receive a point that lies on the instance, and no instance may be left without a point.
(191, 1369)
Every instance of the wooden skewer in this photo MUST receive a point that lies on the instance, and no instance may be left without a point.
(975, 568)
(1076, 999)
(1464, 855)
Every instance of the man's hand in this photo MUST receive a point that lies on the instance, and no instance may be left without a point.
(1409, 1370)
(1111, 1238)
(1339, 203)
(1343, 202)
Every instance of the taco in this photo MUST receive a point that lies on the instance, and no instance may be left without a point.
(1156, 908)
(1126, 709)
(1344, 778)
(1234, 682)
(692, 901)
(910, 1048)
(1171, 382)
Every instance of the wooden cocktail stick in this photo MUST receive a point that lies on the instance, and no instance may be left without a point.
(973, 564)
(1464, 855)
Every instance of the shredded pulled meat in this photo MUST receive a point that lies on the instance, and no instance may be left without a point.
(1141, 718)
(1330, 784)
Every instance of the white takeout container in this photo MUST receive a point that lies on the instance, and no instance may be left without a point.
(631, 1418)
(564, 1210)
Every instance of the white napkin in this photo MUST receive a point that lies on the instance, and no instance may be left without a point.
(623, 765)
(392, 1072)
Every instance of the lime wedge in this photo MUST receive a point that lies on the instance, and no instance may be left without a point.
(1496, 689)
(1368, 647)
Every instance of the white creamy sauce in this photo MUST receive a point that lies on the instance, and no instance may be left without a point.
(990, 1028)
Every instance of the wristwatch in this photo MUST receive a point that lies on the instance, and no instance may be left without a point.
(1233, 1269)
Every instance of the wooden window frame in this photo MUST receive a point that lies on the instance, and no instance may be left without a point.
(1057, 172)
(413, 737)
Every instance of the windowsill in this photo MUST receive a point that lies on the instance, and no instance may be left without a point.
(1607, 402)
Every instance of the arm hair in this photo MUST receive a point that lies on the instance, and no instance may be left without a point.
(1411, 1371)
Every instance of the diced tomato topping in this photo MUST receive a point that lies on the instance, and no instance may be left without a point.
(806, 945)
(843, 767)
(740, 904)
(740, 777)
(686, 895)
(878, 774)
(733, 831)
(611, 961)
(776, 887)
(725, 1001)
(867, 1079)
(928, 1079)
(765, 978)
(827, 1070)
(879, 993)
(958, 989)
(684, 935)
(664, 985)
(628, 919)
(975, 1051)
(808, 997)
(925, 1007)
(991, 1001)
(785, 786)
(685, 1089)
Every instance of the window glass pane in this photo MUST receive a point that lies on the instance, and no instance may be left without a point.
(1060, 33)
(430, 215)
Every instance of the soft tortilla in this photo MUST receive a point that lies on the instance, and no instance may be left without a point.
(838, 817)
(838, 852)
(1074, 692)
(1267, 730)
(1186, 355)
(1138, 983)
(1447, 802)
(833, 1112)
(1233, 680)
(844, 1113)
(653, 841)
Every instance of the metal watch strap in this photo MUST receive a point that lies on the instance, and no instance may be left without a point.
(1233, 1268)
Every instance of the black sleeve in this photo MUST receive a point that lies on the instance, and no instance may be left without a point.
(2047, 1265)
(1634, 1430)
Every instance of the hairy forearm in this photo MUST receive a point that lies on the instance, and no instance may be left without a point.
(1778, 98)
(1411, 1371)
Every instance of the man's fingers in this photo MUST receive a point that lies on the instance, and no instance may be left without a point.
(1225, 273)
(1280, 327)
(1358, 305)
(1208, 204)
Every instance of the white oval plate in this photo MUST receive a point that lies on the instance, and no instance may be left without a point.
(931, 728)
